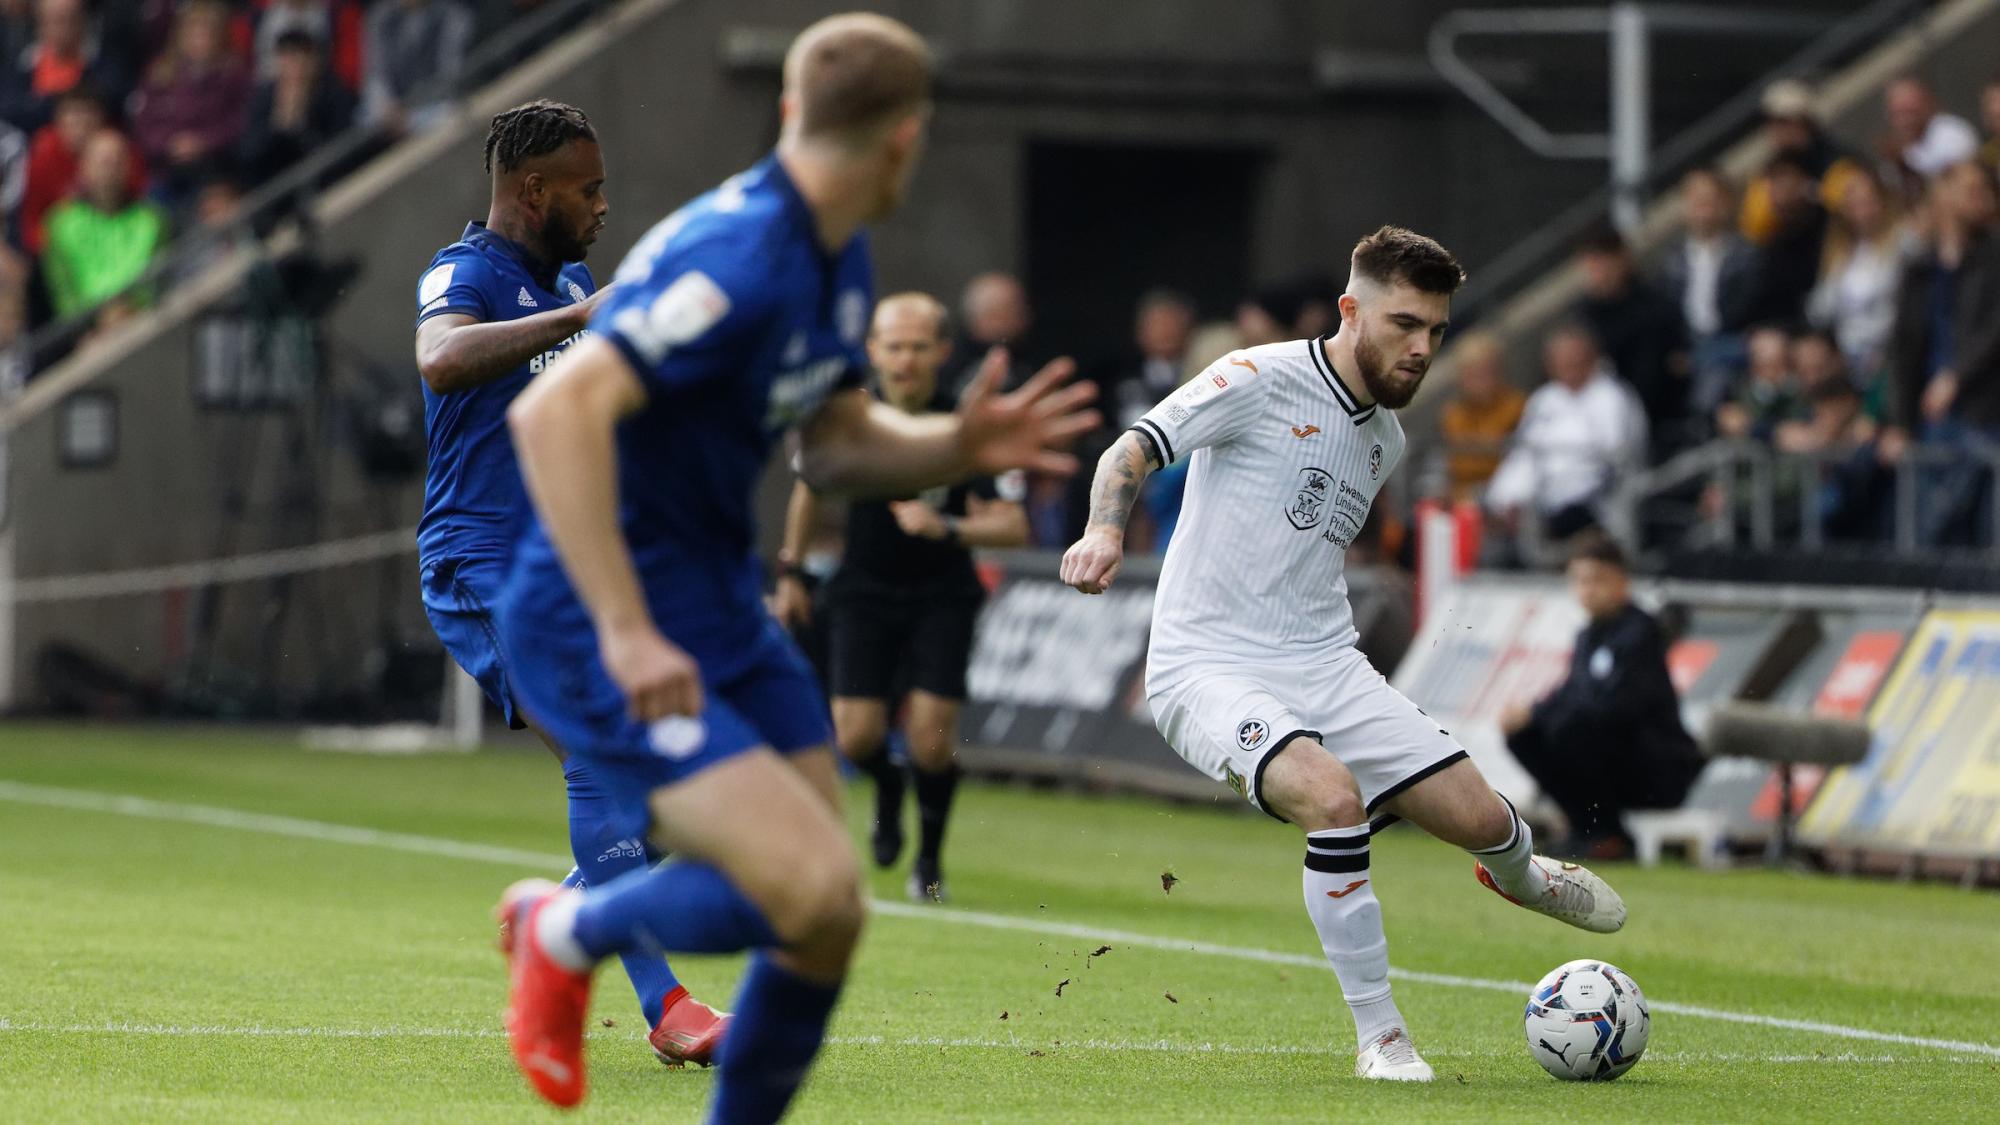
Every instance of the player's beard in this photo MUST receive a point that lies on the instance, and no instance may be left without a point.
(1385, 383)
(566, 240)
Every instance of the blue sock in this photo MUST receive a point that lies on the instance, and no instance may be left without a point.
(602, 855)
(686, 907)
(779, 1024)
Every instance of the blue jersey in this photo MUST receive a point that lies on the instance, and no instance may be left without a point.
(474, 503)
(740, 324)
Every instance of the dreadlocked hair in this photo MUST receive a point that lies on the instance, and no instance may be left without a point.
(535, 129)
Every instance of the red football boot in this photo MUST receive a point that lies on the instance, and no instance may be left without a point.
(547, 1002)
(689, 1031)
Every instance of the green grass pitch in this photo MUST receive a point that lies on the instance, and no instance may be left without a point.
(162, 961)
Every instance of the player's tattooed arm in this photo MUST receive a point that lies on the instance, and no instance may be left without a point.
(1120, 473)
(456, 352)
(1092, 562)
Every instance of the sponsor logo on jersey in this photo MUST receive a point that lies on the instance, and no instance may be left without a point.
(1236, 782)
(1308, 504)
(543, 361)
(1350, 511)
(1375, 462)
(795, 394)
(1309, 430)
(435, 283)
(1251, 733)
(677, 736)
(795, 350)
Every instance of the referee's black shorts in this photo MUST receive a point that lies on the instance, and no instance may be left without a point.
(884, 644)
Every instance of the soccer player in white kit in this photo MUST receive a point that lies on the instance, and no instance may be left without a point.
(1252, 673)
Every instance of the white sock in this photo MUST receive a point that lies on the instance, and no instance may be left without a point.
(1508, 863)
(555, 932)
(1340, 899)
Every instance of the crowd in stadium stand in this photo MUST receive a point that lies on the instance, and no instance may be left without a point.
(124, 123)
(1839, 310)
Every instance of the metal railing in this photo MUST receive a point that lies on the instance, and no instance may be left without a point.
(1748, 476)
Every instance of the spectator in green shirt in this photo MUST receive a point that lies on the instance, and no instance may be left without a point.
(100, 240)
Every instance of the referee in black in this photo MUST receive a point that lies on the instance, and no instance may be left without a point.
(902, 604)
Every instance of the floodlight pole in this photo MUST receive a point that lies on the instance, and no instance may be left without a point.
(1631, 112)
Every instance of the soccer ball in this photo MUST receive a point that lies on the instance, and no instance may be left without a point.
(1587, 1022)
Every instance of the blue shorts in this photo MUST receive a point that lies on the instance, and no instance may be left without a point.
(770, 699)
(458, 598)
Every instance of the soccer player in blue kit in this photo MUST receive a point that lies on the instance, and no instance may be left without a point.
(494, 309)
(633, 621)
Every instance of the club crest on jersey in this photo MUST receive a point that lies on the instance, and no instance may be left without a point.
(1375, 462)
(1308, 505)
(576, 293)
(1251, 733)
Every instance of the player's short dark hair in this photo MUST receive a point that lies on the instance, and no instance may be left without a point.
(536, 129)
(851, 73)
(1393, 254)
(1595, 546)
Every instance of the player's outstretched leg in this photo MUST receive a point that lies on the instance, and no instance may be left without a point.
(767, 867)
(680, 1028)
(933, 732)
(1310, 788)
(1457, 806)
(861, 726)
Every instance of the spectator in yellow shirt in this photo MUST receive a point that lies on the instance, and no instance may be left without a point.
(1791, 127)
(1479, 417)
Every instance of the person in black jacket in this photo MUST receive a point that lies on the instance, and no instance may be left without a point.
(1641, 331)
(1609, 737)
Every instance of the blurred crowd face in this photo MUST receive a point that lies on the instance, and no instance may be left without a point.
(1162, 329)
(995, 309)
(907, 345)
(102, 170)
(201, 37)
(1909, 107)
(1790, 189)
(76, 119)
(1602, 589)
(60, 26)
(1816, 361)
(296, 68)
(1862, 206)
(1770, 355)
(1966, 194)
(1706, 203)
(1570, 358)
(1481, 373)
(1605, 272)
(1255, 325)
(1789, 134)
(1989, 109)
(1397, 332)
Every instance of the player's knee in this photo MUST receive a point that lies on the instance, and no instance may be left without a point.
(930, 749)
(1339, 807)
(859, 733)
(823, 903)
(1491, 822)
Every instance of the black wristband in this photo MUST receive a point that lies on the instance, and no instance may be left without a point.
(951, 535)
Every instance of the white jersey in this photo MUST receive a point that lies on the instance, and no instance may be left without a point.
(1286, 462)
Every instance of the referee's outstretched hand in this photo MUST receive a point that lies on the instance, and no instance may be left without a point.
(1028, 428)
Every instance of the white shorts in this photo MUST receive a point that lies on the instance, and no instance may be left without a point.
(1229, 721)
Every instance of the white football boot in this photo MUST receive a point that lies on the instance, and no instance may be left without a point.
(1574, 895)
(1392, 1058)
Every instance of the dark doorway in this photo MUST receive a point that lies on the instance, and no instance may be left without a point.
(1108, 222)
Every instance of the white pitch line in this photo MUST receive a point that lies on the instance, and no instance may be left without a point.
(215, 817)
(1151, 1046)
